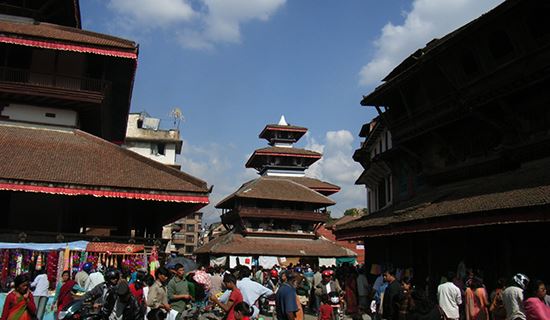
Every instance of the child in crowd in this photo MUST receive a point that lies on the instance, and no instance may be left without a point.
(325, 310)
(242, 311)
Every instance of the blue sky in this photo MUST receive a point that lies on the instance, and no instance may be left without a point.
(233, 66)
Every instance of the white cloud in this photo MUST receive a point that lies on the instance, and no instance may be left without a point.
(149, 14)
(225, 16)
(338, 167)
(202, 26)
(428, 19)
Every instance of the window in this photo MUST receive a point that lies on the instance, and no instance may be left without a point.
(140, 123)
(190, 228)
(189, 239)
(469, 64)
(189, 249)
(500, 45)
(161, 148)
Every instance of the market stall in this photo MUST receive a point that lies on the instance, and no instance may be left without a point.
(54, 258)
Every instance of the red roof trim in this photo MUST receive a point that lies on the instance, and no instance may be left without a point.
(68, 47)
(103, 193)
(284, 129)
(288, 155)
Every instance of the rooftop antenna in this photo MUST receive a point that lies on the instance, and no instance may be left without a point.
(177, 115)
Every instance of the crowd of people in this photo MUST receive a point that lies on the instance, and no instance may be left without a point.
(243, 293)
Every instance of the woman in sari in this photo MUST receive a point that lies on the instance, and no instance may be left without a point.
(19, 303)
(64, 291)
(350, 287)
(476, 301)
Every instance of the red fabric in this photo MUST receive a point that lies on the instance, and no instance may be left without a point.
(65, 295)
(535, 309)
(137, 293)
(113, 247)
(68, 47)
(236, 296)
(351, 294)
(325, 312)
(13, 302)
(103, 193)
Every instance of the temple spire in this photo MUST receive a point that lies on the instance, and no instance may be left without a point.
(283, 122)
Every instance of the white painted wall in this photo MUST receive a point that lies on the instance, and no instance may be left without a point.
(29, 113)
(147, 149)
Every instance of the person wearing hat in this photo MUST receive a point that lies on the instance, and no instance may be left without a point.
(122, 304)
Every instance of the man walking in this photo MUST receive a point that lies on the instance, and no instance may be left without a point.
(392, 296)
(286, 298)
(449, 297)
(178, 290)
(40, 293)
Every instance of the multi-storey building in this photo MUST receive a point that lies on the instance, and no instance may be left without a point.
(144, 137)
(470, 150)
(64, 100)
(274, 218)
(185, 234)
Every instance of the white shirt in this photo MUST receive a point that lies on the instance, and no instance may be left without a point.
(449, 297)
(251, 292)
(512, 298)
(41, 285)
(93, 280)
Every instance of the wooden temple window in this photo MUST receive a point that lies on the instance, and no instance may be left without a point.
(500, 45)
(537, 21)
(469, 64)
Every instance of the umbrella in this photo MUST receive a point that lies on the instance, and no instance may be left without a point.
(188, 264)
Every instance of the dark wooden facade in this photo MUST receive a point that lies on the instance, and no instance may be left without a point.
(470, 132)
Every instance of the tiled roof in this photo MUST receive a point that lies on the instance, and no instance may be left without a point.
(236, 244)
(278, 189)
(47, 31)
(526, 187)
(299, 131)
(315, 184)
(75, 159)
(437, 46)
(286, 151)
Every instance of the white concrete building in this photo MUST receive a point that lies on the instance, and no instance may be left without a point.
(144, 137)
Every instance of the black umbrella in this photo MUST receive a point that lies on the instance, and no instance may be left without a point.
(188, 264)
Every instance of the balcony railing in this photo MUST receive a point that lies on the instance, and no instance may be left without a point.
(52, 80)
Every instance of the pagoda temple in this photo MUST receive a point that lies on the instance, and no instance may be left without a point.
(273, 219)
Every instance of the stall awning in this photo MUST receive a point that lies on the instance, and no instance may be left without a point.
(73, 246)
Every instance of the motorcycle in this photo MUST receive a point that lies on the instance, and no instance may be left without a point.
(268, 306)
(336, 302)
(78, 309)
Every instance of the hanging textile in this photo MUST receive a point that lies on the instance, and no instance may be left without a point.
(240, 260)
(51, 266)
(39, 262)
(19, 263)
(327, 262)
(267, 262)
(218, 261)
(350, 260)
(286, 261)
